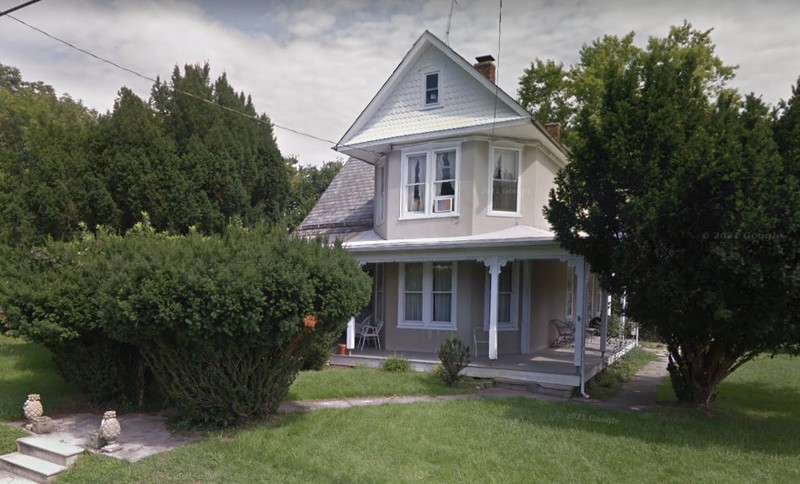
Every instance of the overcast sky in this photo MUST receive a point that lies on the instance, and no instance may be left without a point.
(314, 65)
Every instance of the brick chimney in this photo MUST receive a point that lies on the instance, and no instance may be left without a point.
(555, 130)
(486, 67)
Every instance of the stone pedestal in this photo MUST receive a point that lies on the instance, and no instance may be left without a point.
(94, 440)
(41, 425)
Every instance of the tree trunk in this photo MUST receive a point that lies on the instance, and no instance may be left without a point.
(697, 370)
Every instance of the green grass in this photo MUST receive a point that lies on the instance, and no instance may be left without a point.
(761, 389)
(515, 440)
(609, 382)
(338, 383)
(28, 368)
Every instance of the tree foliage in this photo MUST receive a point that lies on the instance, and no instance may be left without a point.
(176, 156)
(678, 197)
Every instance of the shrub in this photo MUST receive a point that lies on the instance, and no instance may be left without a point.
(223, 322)
(454, 356)
(319, 353)
(396, 364)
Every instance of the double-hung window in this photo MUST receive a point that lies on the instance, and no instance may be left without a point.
(504, 182)
(427, 295)
(431, 92)
(430, 183)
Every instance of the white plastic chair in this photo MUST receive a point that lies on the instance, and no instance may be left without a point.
(371, 330)
(479, 336)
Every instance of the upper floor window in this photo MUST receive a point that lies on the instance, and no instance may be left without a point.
(430, 183)
(504, 182)
(431, 94)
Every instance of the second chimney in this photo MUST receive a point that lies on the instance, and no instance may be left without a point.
(555, 130)
(486, 67)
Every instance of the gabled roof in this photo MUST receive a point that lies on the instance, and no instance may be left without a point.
(346, 207)
(469, 102)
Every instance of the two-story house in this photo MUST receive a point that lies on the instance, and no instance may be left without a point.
(442, 201)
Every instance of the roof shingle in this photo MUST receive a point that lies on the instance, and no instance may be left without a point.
(346, 207)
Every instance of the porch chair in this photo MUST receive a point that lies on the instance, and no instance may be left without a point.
(371, 330)
(479, 336)
(566, 333)
(360, 329)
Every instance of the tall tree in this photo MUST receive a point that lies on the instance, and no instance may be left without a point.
(677, 196)
(47, 184)
(556, 94)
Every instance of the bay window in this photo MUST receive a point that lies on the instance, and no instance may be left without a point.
(430, 183)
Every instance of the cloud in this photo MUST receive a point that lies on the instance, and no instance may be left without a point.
(314, 65)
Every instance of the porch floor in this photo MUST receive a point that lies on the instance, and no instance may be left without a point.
(548, 366)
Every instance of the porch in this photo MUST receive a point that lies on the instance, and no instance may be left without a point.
(547, 366)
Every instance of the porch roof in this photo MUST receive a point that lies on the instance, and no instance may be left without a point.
(518, 242)
(513, 236)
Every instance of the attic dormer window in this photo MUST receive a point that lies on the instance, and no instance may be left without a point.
(431, 95)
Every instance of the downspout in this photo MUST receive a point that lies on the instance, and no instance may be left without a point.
(583, 364)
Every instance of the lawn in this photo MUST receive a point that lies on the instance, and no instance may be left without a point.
(337, 383)
(28, 368)
(754, 439)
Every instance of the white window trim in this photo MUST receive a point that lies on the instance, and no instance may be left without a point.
(427, 300)
(499, 213)
(513, 325)
(430, 174)
(380, 194)
(437, 104)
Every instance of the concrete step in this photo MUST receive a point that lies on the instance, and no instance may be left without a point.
(30, 467)
(50, 450)
(550, 389)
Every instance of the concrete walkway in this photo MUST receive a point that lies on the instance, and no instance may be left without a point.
(641, 391)
(368, 402)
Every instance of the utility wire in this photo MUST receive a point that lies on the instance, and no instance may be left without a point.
(14, 9)
(148, 78)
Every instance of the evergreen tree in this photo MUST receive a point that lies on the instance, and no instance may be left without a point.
(677, 196)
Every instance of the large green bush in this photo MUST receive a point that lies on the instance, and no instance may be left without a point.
(223, 322)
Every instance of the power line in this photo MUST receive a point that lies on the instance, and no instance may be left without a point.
(148, 78)
(18, 7)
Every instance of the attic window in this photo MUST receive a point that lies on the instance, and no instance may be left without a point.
(431, 89)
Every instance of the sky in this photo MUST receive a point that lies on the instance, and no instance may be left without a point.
(314, 65)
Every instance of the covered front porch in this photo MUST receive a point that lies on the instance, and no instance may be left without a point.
(548, 366)
(503, 290)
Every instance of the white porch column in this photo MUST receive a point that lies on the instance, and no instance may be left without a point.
(351, 333)
(494, 278)
(606, 313)
(525, 330)
(580, 310)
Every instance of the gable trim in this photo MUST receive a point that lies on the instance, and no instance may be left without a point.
(425, 40)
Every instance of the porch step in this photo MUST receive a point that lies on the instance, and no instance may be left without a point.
(30, 467)
(550, 389)
(49, 450)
